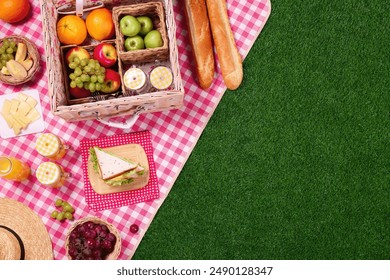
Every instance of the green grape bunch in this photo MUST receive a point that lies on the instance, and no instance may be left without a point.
(87, 73)
(64, 210)
(7, 51)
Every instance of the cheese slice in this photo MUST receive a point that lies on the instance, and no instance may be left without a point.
(14, 106)
(33, 115)
(23, 109)
(6, 107)
(10, 121)
(111, 165)
(22, 96)
(31, 101)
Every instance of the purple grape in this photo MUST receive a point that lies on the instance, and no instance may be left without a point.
(105, 228)
(72, 252)
(81, 229)
(97, 254)
(111, 237)
(134, 228)
(90, 225)
(87, 252)
(90, 234)
(107, 245)
(103, 234)
(73, 235)
(98, 229)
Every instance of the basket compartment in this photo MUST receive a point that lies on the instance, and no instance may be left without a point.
(155, 11)
(66, 71)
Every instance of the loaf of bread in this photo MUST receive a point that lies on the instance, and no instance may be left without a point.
(228, 56)
(201, 41)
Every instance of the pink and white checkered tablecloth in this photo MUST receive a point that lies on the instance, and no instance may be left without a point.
(173, 133)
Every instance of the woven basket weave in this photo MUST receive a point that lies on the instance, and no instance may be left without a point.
(32, 52)
(118, 245)
(113, 107)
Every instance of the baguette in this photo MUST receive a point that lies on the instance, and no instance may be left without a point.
(201, 41)
(229, 58)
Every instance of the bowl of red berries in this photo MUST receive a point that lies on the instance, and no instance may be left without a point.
(92, 238)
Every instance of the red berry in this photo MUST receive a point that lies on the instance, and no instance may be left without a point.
(134, 228)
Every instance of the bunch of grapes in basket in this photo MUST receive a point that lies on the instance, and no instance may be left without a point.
(87, 73)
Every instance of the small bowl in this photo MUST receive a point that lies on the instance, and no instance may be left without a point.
(117, 248)
(32, 51)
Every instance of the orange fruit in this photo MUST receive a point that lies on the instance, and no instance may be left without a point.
(99, 24)
(12, 11)
(71, 30)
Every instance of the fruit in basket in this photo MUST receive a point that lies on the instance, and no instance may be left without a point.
(129, 26)
(112, 81)
(13, 11)
(16, 69)
(76, 52)
(146, 25)
(21, 52)
(87, 74)
(106, 54)
(91, 241)
(100, 25)
(71, 30)
(7, 51)
(79, 92)
(134, 43)
(153, 39)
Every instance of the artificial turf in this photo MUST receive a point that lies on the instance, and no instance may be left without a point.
(295, 163)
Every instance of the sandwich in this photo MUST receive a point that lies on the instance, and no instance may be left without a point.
(113, 169)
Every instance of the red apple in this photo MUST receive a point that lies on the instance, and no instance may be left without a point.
(79, 92)
(106, 54)
(76, 52)
(112, 81)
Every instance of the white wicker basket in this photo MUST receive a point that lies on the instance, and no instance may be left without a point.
(119, 104)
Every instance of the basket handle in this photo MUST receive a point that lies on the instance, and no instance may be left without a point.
(78, 9)
(123, 125)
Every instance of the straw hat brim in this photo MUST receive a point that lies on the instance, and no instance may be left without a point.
(28, 229)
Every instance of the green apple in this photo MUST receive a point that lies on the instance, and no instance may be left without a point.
(129, 26)
(153, 39)
(134, 43)
(146, 25)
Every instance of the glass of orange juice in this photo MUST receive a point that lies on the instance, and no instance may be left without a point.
(14, 169)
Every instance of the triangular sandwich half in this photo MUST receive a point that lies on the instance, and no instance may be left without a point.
(110, 165)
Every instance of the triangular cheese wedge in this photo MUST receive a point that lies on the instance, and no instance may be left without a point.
(111, 165)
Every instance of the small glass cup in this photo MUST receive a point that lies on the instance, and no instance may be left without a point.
(14, 169)
(51, 146)
(135, 80)
(51, 174)
(161, 77)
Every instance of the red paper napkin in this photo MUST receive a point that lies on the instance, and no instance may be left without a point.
(99, 202)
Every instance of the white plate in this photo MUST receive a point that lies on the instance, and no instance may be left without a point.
(35, 127)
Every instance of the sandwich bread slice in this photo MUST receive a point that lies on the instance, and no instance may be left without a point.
(113, 169)
(111, 165)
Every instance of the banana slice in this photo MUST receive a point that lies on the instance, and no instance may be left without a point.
(21, 52)
(5, 71)
(16, 69)
(27, 63)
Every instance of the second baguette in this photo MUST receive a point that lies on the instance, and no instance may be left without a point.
(228, 55)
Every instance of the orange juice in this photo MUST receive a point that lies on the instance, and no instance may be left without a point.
(50, 146)
(13, 169)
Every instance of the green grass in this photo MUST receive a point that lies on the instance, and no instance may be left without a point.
(295, 163)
